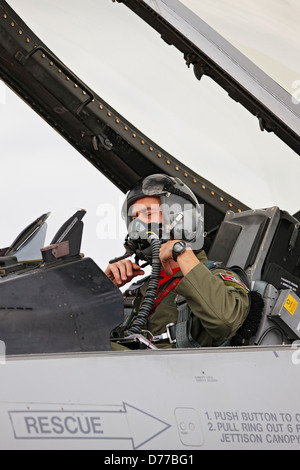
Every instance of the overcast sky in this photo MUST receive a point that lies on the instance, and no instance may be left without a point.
(131, 68)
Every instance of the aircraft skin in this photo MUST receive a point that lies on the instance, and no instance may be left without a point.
(186, 400)
(59, 391)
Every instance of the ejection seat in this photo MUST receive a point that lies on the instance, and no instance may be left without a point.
(266, 244)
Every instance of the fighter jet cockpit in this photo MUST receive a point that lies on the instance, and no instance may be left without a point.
(264, 242)
(53, 299)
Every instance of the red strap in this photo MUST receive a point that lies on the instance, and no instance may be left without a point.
(163, 279)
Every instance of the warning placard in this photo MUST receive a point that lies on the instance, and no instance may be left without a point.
(291, 304)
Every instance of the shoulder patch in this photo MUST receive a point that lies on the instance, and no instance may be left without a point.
(230, 280)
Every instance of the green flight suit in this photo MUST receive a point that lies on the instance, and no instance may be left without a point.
(219, 308)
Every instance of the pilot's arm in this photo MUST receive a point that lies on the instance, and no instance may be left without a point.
(220, 306)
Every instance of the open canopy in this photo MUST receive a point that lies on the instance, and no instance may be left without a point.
(211, 143)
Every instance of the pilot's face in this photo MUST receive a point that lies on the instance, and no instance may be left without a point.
(147, 210)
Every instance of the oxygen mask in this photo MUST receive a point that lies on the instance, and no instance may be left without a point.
(140, 236)
(139, 240)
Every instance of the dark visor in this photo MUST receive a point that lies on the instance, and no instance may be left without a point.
(156, 185)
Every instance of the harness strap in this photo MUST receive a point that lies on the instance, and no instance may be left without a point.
(165, 292)
(183, 329)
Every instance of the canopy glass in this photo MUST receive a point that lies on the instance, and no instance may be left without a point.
(129, 66)
(267, 32)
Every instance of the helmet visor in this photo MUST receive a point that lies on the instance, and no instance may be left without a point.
(156, 185)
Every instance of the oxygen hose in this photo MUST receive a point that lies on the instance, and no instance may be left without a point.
(147, 304)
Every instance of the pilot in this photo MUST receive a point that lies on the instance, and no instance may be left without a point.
(192, 302)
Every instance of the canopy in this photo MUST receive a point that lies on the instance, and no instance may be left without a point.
(188, 129)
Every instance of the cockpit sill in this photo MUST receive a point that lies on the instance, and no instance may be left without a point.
(275, 350)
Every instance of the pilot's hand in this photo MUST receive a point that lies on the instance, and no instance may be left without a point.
(186, 261)
(123, 271)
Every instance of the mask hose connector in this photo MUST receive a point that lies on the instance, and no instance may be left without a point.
(147, 305)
